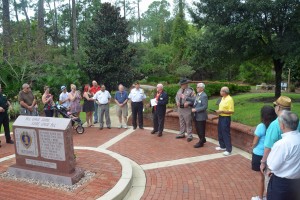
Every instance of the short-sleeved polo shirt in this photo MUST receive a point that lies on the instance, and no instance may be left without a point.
(273, 134)
(226, 104)
(121, 96)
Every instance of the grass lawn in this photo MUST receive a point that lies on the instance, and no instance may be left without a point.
(247, 110)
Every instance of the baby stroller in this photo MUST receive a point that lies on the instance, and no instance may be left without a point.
(75, 120)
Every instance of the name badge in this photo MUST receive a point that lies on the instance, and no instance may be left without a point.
(161, 98)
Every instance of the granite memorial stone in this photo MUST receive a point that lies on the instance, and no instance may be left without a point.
(44, 150)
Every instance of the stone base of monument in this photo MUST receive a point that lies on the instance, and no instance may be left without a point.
(46, 176)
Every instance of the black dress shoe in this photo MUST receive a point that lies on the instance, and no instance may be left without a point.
(180, 136)
(204, 140)
(141, 127)
(159, 135)
(109, 127)
(134, 127)
(153, 132)
(189, 139)
(95, 122)
(101, 128)
(198, 145)
(10, 142)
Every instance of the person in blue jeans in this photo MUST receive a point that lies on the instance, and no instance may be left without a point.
(268, 115)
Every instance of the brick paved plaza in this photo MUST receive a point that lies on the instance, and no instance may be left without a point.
(159, 168)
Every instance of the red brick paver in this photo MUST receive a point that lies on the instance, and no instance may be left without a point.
(107, 169)
(93, 137)
(6, 149)
(224, 178)
(143, 147)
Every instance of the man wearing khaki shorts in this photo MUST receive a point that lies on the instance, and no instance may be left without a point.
(121, 99)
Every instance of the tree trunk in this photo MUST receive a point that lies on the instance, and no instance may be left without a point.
(278, 66)
(139, 21)
(6, 29)
(124, 6)
(55, 25)
(40, 33)
(17, 18)
(24, 6)
(74, 31)
(71, 26)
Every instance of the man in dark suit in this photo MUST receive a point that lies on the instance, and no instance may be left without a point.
(199, 103)
(159, 110)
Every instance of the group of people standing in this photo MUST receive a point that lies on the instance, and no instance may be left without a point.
(193, 106)
(276, 152)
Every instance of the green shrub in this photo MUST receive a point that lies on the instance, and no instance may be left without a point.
(167, 79)
(14, 110)
(211, 89)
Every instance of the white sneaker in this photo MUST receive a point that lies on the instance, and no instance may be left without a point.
(125, 126)
(226, 153)
(120, 126)
(220, 149)
(257, 198)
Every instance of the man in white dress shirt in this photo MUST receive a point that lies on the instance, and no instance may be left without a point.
(137, 96)
(284, 161)
(102, 98)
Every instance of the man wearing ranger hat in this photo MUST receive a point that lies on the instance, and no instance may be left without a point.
(273, 133)
(184, 110)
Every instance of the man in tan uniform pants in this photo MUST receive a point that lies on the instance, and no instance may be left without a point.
(184, 110)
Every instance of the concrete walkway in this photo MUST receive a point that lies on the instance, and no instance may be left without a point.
(134, 164)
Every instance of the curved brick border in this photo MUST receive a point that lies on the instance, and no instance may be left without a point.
(120, 190)
(241, 135)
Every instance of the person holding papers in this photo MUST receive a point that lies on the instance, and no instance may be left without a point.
(159, 106)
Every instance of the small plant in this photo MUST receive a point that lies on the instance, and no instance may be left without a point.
(14, 110)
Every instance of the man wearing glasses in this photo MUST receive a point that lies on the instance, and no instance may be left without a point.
(27, 101)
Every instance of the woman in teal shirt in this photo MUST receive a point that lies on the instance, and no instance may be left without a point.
(267, 116)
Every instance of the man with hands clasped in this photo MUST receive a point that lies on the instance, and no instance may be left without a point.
(199, 103)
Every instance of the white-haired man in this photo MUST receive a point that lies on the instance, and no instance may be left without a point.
(283, 161)
(159, 111)
(94, 89)
(226, 109)
(199, 103)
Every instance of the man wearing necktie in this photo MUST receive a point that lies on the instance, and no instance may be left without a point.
(184, 110)
(199, 103)
(159, 111)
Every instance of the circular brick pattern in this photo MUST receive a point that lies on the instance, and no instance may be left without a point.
(108, 172)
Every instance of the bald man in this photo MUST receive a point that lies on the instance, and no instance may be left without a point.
(159, 111)
(226, 109)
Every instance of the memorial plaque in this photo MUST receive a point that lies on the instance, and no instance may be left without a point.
(44, 150)
(52, 145)
(26, 142)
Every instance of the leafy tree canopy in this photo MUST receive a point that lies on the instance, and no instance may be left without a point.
(107, 48)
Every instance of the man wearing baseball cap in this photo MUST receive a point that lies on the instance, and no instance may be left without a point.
(64, 97)
(274, 132)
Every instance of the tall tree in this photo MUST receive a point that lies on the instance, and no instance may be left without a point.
(107, 48)
(250, 29)
(6, 29)
(74, 29)
(155, 22)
